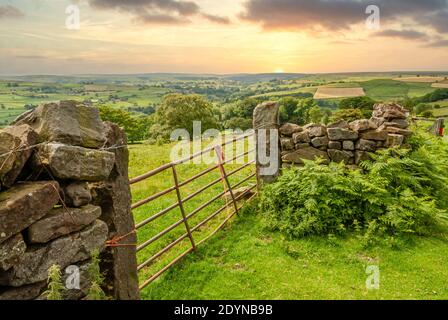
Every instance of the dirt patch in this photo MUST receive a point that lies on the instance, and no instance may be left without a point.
(333, 93)
(420, 79)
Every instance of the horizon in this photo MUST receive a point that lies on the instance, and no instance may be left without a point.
(407, 72)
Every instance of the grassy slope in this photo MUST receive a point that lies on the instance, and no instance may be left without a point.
(144, 158)
(247, 262)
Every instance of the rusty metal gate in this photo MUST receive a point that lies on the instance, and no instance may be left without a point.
(234, 204)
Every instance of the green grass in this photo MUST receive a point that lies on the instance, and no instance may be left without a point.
(389, 90)
(144, 158)
(245, 261)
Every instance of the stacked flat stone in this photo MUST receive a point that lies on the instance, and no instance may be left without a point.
(48, 159)
(345, 142)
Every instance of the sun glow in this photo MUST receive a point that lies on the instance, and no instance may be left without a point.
(279, 71)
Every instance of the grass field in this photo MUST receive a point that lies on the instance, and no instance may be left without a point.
(246, 261)
(144, 158)
(420, 79)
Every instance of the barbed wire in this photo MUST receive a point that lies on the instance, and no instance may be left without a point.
(25, 148)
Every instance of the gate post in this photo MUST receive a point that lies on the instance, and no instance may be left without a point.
(266, 125)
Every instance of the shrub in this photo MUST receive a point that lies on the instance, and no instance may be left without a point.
(96, 279)
(399, 192)
(55, 286)
(347, 115)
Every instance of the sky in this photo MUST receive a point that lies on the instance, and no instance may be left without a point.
(222, 36)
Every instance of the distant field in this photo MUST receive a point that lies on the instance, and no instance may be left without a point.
(440, 85)
(420, 79)
(391, 90)
(334, 93)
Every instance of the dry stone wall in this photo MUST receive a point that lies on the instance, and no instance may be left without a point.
(64, 191)
(345, 142)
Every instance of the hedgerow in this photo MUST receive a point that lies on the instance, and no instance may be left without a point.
(399, 192)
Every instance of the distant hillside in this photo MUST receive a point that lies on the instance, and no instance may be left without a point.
(152, 77)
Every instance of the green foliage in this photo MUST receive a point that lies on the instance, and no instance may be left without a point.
(136, 127)
(400, 192)
(427, 114)
(238, 123)
(422, 107)
(179, 111)
(365, 104)
(245, 108)
(96, 279)
(55, 286)
(347, 115)
(315, 114)
(288, 106)
(302, 111)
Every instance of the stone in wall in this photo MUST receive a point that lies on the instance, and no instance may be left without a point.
(24, 204)
(319, 142)
(348, 145)
(308, 153)
(26, 292)
(35, 262)
(335, 145)
(366, 145)
(62, 221)
(341, 134)
(315, 130)
(288, 129)
(301, 137)
(67, 122)
(287, 143)
(362, 125)
(394, 140)
(76, 194)
(342, 124)
(341, 156)
(76, 163)
(15, 143)
(11, 250)
(389, 111)
(375, 135)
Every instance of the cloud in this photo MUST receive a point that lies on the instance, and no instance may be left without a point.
(149, 18)
(8, 11)
(438, 44)
(158, 11)
(403, 34)
(33, 57)
(216, 19)
(336, 15)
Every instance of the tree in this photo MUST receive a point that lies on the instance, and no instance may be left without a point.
(315, 114)
(302, 110)
(365, 104)
(427, 114)
(245, 108)
(238, 123)
(347, 115)
(422, 107)
(288, 106)
(179, 111)
(136, 128)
